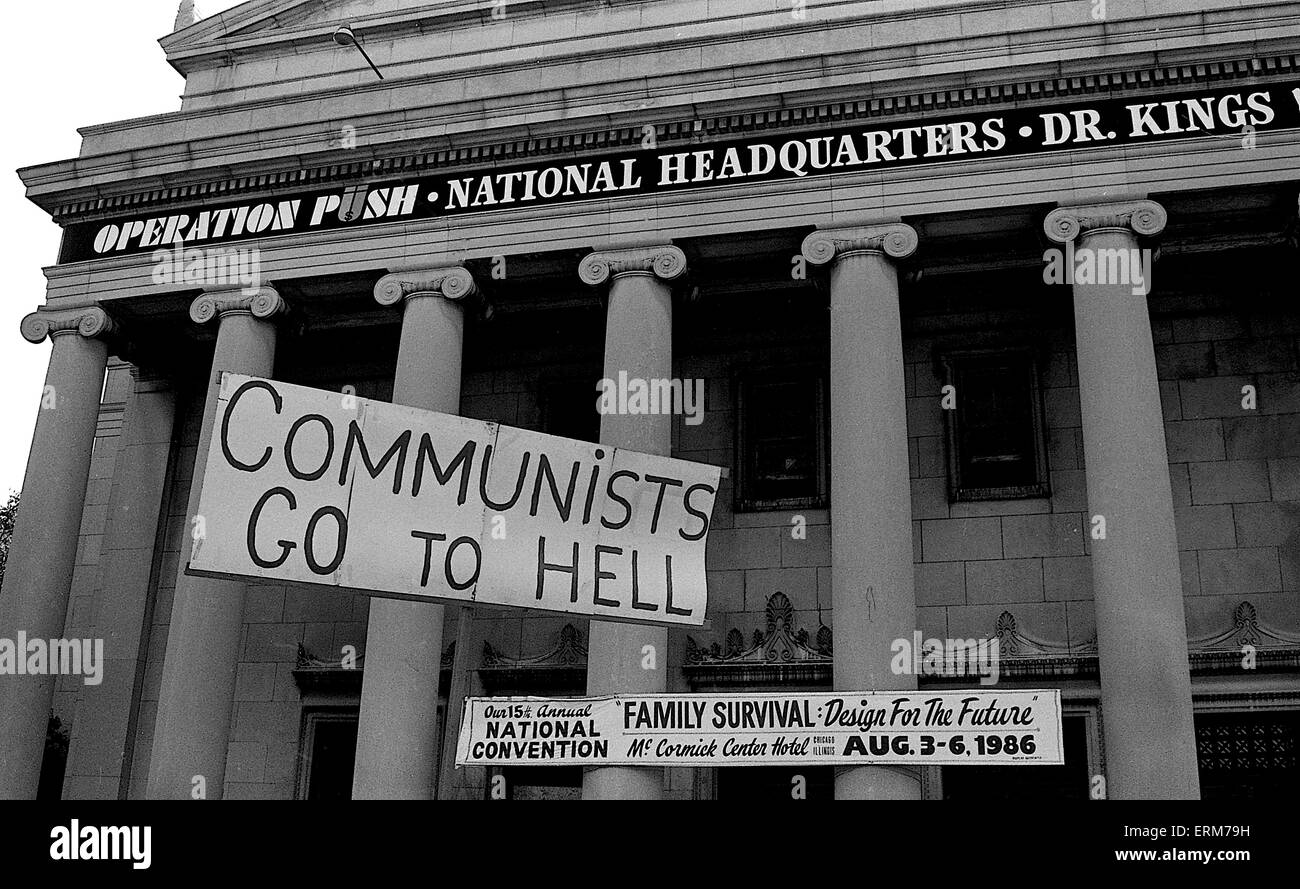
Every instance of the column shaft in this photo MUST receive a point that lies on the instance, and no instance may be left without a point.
(871, 510)
(103, 733)
(1141, 629)
(44, 545)
(192, 730)
(629, 658)
(872, 593)
(397, 749)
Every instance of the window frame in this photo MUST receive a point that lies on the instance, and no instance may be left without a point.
(312, 717)
(1086, 708)
(742, 379)
(949, 366)
(1260, 696)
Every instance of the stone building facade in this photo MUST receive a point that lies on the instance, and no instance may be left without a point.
(1111, 487)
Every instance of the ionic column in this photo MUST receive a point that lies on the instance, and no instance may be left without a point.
(397, 750)
(872, 596)
(103, 732)
(198, 684)
(638, 341)
(1146, 696)
(43, 549)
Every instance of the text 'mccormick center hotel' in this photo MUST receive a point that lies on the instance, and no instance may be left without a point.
(985, 309)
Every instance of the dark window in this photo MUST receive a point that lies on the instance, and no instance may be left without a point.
(569, 409)
(781, 441)
(996, 446)
(1068, 781)
(539, 782)
(1248, 755)
(769, 783)
(55, 762)
(329, 745)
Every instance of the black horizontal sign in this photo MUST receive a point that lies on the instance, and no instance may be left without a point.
(1238, 113)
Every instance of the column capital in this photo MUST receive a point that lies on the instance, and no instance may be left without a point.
(896, 239)
(1143, 217)
(262, 302)
(91, 321)
(661, 260)
(450, 282)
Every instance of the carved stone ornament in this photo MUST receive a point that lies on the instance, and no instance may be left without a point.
(1013, 643)
(451, 282)
(666, 262)
(1146, 218)
(894, 239)
(262, 302)
(1246, 630)
(561, 669)
(89, 322)
(568, 652)
(780, 644)
(1024, 656)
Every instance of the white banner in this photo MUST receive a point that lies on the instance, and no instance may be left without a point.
(309, 486)
(822, 728)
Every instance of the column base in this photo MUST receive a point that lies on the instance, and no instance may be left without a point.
(623, 782)
(878, 782)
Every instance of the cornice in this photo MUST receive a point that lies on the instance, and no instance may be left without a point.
(229, 32)
(226, 36)
(402, 163)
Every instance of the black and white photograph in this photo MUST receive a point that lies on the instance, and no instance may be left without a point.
(746, 401)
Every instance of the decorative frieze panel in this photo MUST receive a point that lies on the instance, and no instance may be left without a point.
(1023, 655)
(561, 667)
(689, 131)
(1244, 637)
(1246, 640)
(779, 653)
(568, 652)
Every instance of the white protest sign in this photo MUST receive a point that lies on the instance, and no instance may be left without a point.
(309, 486)
(767, 729)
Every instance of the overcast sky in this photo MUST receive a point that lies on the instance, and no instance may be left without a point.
(65, 64)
